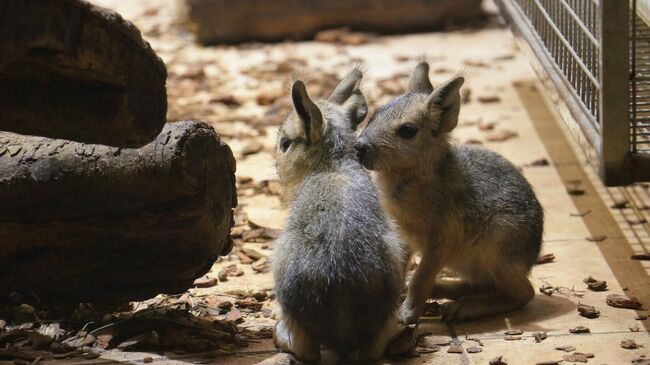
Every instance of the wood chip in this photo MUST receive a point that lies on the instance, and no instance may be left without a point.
(629, 344)
(243, 258)
(545, 259)
(253, 235)
(473, 350)
(597, 238)
(253, 254)
(540, 336)
(539, 162)
(501, 135)
(488, 99)
(641, 317)
(551, 362)
(547, 289)
(595, 285)
(623, 301)
(588, 311)
(512, 338)
(455, 349)
(641, 361)
(641, 256)
(498, 361)
(342, 35)
(513, 332)
(486, 126)
(229, 100)
(579, 329)
(575, 191)
(261, 265)
(575, 357)
(473, 141)
(620, 204)
(205, 282)
(234, 316)
(233, 270)
(251, 305)
(147, 360)
(566, 348)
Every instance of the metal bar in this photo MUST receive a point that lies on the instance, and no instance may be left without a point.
(614, 91)
(634, 79)
(580, 23)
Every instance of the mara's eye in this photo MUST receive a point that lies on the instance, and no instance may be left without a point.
(285, 143)
(407, 130)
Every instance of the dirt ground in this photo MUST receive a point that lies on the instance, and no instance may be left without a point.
(242, 92)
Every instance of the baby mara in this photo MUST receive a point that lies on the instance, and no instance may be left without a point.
(338, 265)
(462, 208)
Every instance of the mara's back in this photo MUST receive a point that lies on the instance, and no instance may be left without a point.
(339, 275)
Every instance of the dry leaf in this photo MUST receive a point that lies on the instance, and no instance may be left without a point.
(629, 344)
(588, 311)
(579, 329)
(545, 259)
(595, 285)
(623, 301)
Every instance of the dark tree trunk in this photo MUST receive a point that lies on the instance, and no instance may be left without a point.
(72, 70)
(83, 222)
(227, 21)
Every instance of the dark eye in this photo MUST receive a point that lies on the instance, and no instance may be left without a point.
(285, 143)
(407, 131)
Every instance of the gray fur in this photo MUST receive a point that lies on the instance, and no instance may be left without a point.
(462, 207)
(338, 264)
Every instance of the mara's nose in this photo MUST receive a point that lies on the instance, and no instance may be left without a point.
(362, 149)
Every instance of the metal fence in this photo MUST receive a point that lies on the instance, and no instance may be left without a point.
(597, 55)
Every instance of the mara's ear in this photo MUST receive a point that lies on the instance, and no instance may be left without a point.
(419, 79)
(348, 95)
(308, 112)
(446, 99)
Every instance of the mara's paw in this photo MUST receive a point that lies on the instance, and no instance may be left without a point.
(281, 337)
(459, 311)
(408, 314)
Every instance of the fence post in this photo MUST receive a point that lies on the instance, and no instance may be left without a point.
(614, 92)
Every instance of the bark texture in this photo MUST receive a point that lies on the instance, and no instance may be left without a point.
(84, 222)
(227, 21)
(75, 71)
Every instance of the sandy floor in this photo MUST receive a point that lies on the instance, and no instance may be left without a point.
(241, 91)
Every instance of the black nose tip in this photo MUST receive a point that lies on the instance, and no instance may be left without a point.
(362, 149)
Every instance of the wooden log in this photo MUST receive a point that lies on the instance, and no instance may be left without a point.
(72, 70)
(226, 21)
(83, 222)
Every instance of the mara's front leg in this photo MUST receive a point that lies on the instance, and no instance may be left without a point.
(420, 287)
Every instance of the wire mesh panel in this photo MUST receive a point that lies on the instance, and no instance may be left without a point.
(640, 86)
(596, 53)
(569, 30)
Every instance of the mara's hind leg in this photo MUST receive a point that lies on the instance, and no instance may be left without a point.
(376, 348)
(512, 290)
(455, 288)
(288, 336)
